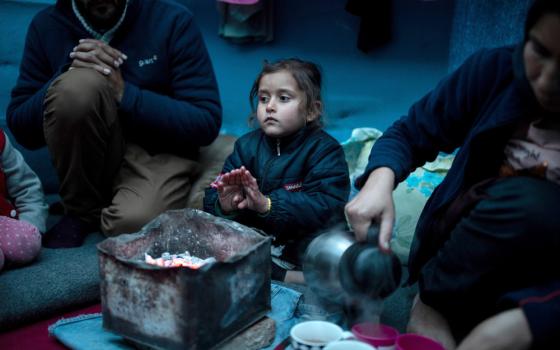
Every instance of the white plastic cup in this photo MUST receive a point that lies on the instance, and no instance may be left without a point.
(316, 335)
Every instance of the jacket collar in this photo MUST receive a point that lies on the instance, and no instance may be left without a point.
(65, 14)
(289, 142)
(105, 36)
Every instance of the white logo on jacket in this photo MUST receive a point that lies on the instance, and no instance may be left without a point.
(294, 186)
(147, 61)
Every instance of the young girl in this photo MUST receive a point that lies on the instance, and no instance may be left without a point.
(288, 178)
(23, 210)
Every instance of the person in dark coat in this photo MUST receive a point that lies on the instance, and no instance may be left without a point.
(123, 94)
(485, 251)
(288, 177)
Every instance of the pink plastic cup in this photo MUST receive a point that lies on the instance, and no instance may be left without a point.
(417, 342)
(379, 335)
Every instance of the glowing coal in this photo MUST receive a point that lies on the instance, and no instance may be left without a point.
(178, 260)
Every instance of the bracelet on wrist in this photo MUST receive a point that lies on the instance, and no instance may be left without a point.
(268, 207)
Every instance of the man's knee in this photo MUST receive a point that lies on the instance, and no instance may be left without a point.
(74, 93)
(116, 220)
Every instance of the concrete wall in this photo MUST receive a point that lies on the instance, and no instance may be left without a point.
(429, 38)
(360, 89)
(480, 23)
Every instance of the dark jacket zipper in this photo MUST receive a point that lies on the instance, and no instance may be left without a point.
(269, 163)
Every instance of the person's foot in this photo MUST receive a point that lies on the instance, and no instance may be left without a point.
(56, 208)
(426, 321)
(69, 232)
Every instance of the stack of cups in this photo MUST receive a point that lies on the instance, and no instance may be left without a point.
(323, 335)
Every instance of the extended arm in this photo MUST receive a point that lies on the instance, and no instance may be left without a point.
(25, 111)
(438, 122)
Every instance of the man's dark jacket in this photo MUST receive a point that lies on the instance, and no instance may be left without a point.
(170, 102)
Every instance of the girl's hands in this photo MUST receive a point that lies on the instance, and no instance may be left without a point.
(230, 191)
(238, 189)
(254, 199)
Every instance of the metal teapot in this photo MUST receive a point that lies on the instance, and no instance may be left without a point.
(336, 266)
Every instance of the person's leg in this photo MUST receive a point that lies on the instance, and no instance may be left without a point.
(507, 330)
(146, 186)
(539, 306)
(84, 138)
(427, 321)
(20, 241)
(508, 241)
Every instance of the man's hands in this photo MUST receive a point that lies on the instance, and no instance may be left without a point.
(374, 203)
(238, 189)
(97, 55)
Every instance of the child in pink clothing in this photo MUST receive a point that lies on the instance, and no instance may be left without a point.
(23, 210)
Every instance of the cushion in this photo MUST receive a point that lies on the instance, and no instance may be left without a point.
(57, 281)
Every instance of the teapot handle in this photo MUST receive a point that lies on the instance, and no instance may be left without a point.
(372, 235)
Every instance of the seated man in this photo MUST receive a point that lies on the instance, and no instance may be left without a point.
(485, 251)
(123, 94)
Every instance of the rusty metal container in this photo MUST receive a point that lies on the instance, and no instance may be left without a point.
(183, 308)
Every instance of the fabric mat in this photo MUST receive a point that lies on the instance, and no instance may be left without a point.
(86, 331)
(59, 280)
(36, 336)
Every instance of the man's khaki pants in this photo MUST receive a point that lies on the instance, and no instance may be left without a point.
(103, 179)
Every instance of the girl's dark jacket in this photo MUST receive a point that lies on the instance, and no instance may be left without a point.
(306, 177)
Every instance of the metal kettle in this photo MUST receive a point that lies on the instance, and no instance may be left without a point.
(336, 266)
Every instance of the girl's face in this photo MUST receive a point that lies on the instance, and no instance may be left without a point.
(280, 110)
(541, 55)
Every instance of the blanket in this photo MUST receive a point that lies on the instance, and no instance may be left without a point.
(60, 279)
